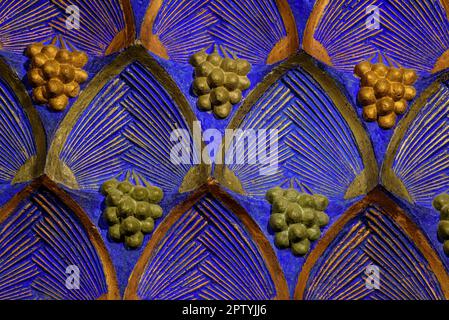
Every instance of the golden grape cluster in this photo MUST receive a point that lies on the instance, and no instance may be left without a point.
(131, 211)
(441, 203)
(296, 218)
(219, 82)
(55, 74)
(385, 91)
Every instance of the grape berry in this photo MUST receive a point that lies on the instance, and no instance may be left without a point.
(219, 82)
(441, 203)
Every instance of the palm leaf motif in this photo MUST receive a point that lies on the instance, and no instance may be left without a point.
(315, 144)
(421, 161)
(206, 254)
(373, 239)
(248, 20)
(413, 33)
(104, 28)
(25, 22)
(16, 135)
(128, 126)
(340, 36)
(250, 28)
(39, 240)
(183, 27)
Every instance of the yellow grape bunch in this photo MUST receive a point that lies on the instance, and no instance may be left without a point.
(384, 91)
(219, 82)
(55, 74)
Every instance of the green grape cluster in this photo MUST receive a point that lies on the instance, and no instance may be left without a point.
(131, 211)
(441, 203)
(296, 218)
(219, 82)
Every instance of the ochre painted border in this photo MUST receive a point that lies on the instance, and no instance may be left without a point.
(91, 230)
(212, 188)
(37, 167)
(290, 44)
(377, 198)
(317, 50)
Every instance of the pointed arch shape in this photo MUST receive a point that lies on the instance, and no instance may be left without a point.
(365, 181)
(379, 198)
(60, 173)
(213, 189)
(95, 238)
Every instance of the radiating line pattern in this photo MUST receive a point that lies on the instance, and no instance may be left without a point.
(37, 244)
(128, 126)
(415, 32)
(373, 239)
(182, 26)
(343, 33)
(422, 158)
(206, 254)
(249, 28)
(16, 135)
(100, 23)
(315, 144)
(24, 22)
